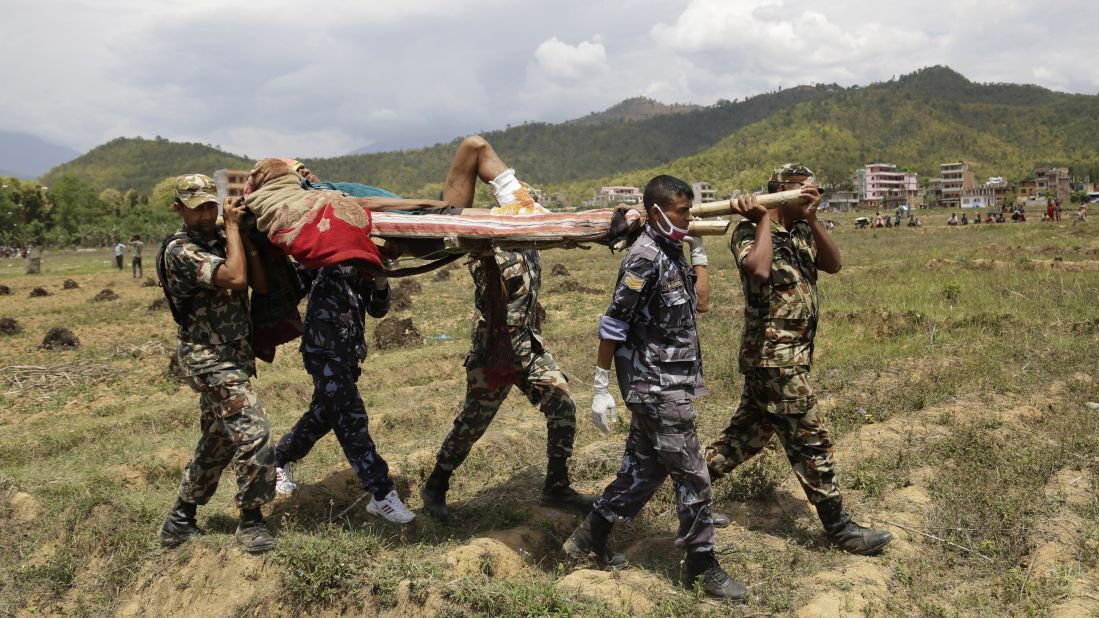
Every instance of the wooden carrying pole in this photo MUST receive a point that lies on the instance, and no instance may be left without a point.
(767, 200)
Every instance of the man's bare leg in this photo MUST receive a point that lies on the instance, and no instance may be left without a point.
(475, 159)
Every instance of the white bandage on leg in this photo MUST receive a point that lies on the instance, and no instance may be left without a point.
(504, 187)
(513, 197)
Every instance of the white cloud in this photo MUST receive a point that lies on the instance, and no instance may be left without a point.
(560, 60)
(335, 75)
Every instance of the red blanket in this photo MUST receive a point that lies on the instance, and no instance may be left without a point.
(318, 228)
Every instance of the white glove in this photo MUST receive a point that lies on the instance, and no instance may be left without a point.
(698, 250)
(603, 409)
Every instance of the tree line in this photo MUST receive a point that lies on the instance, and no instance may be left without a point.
(72, 212)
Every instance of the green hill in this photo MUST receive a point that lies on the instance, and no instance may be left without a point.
(917, 121)
(542, 152)
(924, 119)
(634, 109)
(136, 163)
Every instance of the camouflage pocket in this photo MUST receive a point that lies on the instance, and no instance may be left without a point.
(670, 442)
(677, 307)
(785, 330)
(514, 273)
(794, 392)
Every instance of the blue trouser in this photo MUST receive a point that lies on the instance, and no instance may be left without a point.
(337, 406)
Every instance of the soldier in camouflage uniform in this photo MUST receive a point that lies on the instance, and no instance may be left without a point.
(778, 262)
(649, 331)
(333, 345)
(507, 349)
(205, 273)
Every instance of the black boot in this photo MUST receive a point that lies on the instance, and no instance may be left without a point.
(180, 526)
(589, 541)
(702, 568)
(433, 493)
(252, 532)
(846, 534)
(558, 493)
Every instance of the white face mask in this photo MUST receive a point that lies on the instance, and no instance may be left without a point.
(673, 233)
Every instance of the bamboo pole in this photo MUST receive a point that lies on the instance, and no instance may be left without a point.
(767, 200)
(709, 228)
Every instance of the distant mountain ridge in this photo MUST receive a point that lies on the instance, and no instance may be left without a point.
(634, 109)
(137, 163)
(918, 120)
(26, 156)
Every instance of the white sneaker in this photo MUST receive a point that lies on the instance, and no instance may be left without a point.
(284, 481)
(392, 509)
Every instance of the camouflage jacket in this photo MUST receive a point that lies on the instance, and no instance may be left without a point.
(340, 298)
(522, 275)
(780, 315)
(218, 329)
(653, 315)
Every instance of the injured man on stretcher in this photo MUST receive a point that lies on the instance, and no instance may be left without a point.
(321, 224)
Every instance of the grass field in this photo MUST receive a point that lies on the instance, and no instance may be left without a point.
(952, 366)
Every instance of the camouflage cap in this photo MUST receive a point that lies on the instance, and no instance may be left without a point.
(194, 190)
(789, 170)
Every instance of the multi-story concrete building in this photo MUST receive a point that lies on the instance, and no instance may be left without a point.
(841, 201)
(1047, 183)
(957, 177)
(609, 196)
(881, 182)
(703, 192)
(230, 183)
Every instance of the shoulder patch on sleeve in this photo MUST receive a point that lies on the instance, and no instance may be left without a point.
(634, 282)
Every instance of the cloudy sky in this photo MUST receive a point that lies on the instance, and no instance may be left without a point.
(274, 77)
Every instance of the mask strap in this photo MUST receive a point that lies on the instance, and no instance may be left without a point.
(672, 228)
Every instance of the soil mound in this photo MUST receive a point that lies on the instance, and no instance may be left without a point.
(37, 292)
(559, 270)
(70, 284)
(149, 282)
(159, 304)
(572, 285)
(400, 299)
(442, 274)
(5, 290)
(59, 338)
(413, 286)
(396, 333)
(8, 326)
(105, 294)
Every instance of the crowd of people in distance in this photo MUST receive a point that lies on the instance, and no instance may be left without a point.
(880, 220)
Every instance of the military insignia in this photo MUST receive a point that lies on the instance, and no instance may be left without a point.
(671, 285)
(633, 282)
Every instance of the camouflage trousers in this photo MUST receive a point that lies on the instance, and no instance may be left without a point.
(544, 384)
(663, 442)
(779, 400)
(234, 430)
(338, 407)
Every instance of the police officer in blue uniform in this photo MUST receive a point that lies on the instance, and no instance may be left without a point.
(649, 331)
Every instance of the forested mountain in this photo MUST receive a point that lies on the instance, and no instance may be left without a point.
(917, 121)
(634, 109)
(543, 152)
(924, 119)
(136, 163)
